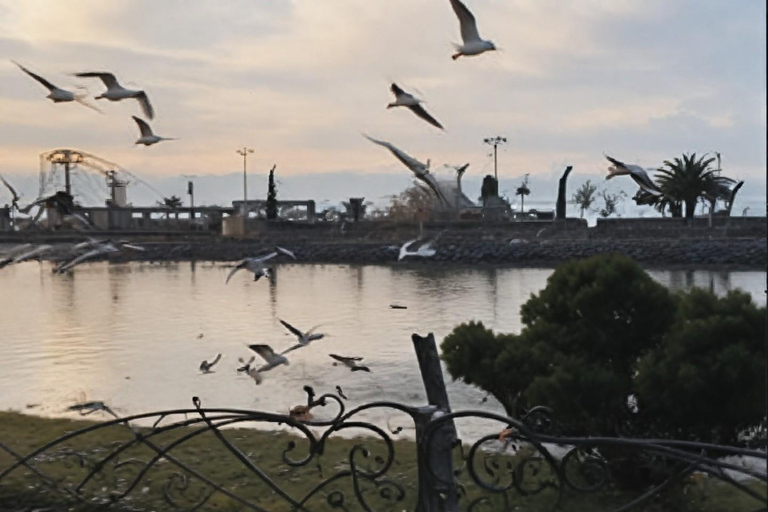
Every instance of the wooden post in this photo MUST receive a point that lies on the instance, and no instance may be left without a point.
(434, 496)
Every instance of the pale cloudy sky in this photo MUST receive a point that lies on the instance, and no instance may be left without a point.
(300, 80)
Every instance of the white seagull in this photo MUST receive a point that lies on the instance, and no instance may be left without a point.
(272, 359)
(635, 172)
(425, 250)
(246, 366)
(116, 92)
(205, 366)
(403, 99)
(147, 136)
(473, 44)
(351, 363)
(37, 251)
(305, 338)
(256, 265)
(58, 95)
(105, 247)
(419, 169)
(7, 257)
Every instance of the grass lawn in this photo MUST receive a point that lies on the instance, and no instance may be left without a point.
(69, 462)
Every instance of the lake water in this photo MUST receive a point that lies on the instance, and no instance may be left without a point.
(134, 334)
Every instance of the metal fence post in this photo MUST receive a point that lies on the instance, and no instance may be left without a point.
(434, 495)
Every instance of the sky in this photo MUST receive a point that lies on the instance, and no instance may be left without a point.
(299, 81)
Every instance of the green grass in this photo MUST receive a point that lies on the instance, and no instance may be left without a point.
(22, 489)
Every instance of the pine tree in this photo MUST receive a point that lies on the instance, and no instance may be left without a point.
(272, 196)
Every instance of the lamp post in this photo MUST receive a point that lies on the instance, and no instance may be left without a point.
(244, 153)
(495, 141)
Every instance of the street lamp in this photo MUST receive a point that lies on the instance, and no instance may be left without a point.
(244, 153)
(495, 141)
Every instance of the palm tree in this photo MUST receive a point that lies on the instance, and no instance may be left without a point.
(523, 191)
(688, 180)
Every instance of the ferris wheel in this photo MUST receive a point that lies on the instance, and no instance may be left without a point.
(88, 178)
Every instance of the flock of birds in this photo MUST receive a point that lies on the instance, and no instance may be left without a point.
(74, 255)
(114, 92)
(472, 44)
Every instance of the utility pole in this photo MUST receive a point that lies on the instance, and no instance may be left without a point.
(495, 141)
(244, 153)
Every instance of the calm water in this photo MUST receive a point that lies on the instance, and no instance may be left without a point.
(129, 334)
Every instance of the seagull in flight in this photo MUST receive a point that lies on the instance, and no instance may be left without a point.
(58, 95)
(257, 265)
(32, 253)
(425, 250)
(8, 257)
(116, 92)
(105, 247)
(419, 169)
(473, 43)
(14, 195)
(147, 136)
(305, 338)
(246, 366)
(350, 362)
(205, 366)
(635, 172)
(403, 99)
(272, 360)
(86, 408)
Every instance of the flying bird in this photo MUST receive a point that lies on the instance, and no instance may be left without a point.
(246, 366)
(305, 338)
(635, 172)
(425, 250)
(86, 408)
(473, 43)
(147, 136)
(350, 362)
(58, 95)
(257, 265)
(419, 169)
(8, 257)
(99, 248)
(403, 99)
(32, 253)
(14, 195)
(272, 359)
(205, 366)
(116, 92)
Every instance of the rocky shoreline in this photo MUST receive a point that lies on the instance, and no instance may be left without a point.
(732, 253)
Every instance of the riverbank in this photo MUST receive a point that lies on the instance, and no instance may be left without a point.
(725, 254)
(454, 248)
(21, 490)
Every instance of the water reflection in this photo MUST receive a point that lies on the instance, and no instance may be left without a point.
(129, 333)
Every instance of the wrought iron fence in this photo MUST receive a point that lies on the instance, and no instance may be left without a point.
(157, 461)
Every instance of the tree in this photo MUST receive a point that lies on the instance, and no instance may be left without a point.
(582, 337)
(414, 203)
(173, 202)
(613, 352)
(610, 202)
(272, 196)
(707, 381)
(523, 191)
(688, 180)
(584, 196)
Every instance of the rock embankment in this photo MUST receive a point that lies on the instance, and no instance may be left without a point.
(745, 253)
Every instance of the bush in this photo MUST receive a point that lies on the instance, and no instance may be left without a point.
(610, 350)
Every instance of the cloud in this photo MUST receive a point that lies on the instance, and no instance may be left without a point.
(300, 80)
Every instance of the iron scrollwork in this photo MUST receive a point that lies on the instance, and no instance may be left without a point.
(512, 466)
